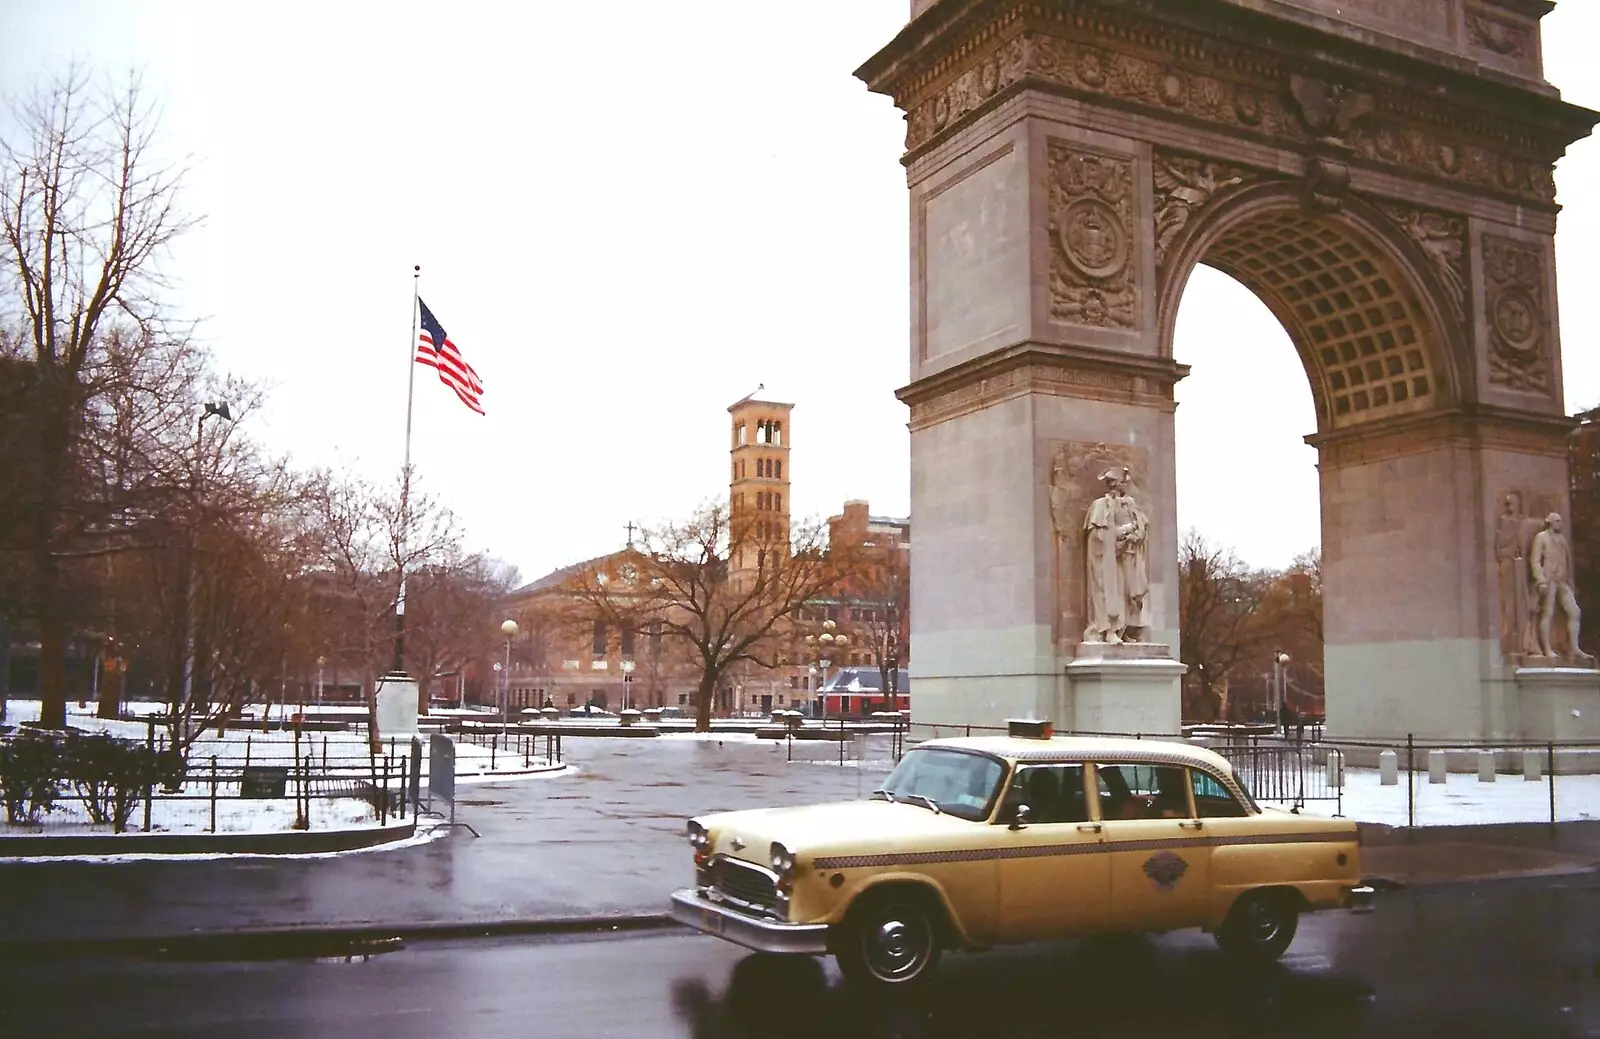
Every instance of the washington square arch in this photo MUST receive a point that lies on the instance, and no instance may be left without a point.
(1380, 174)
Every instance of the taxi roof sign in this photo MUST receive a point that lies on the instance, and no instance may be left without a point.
(1030, 728)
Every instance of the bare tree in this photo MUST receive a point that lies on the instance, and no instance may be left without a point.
(450, 615)
(684, 580)
(1220, 603)
(85, 213)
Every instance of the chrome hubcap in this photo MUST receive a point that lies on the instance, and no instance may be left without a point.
(1264, 923)
(897, 947)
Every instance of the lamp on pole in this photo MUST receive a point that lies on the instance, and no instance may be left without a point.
(219, 409)
(509, 629)
(827, 646)
(1280, 664)
(627, 683)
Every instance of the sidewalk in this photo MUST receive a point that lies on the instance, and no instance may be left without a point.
(603, 840)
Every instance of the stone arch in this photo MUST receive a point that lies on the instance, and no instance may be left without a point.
(1381, 176)
(1376, 333)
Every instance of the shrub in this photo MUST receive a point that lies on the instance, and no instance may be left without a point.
(111, 774)
(31, 770)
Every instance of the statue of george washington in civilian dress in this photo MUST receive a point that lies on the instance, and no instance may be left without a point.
(1116, 558)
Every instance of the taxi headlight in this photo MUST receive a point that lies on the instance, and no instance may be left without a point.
(782, 860)
(699, 837)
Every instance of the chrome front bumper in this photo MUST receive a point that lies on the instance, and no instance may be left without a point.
(752, 932)
(1360, 900)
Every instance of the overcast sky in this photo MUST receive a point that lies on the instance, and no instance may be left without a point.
(628, 215)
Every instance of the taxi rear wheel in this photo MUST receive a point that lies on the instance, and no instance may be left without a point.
(891, 941)
(1260, 926)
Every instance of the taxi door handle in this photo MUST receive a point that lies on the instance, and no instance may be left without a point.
(1197, 824)
(1088, 827)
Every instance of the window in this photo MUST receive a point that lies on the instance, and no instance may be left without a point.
(960, 783)
(777, 503)
(1143, 792)
(599, 638)
(735, 475)
(777, 432)
(1053, 794)
(778, 470)
(572, 699)
(1211, 799)
(740, 429)
(794, 682)
(627, 642)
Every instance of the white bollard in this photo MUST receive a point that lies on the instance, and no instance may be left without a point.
(1533, 765)
(1438, 767)
(1389, 768)
(1486, 766)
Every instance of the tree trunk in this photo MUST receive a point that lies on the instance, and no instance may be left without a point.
(110, 703)
(708, 686)
(424, 681)
(52, 644)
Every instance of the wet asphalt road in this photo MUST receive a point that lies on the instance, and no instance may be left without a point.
(1505, 958)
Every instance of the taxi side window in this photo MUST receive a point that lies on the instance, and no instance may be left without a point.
(1212, 800)
(1053, 794)
(1142, 792)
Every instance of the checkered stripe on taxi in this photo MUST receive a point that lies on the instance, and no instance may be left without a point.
(924, 858)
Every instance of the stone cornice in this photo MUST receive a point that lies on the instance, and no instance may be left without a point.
(1475, 428)
(1210, 61)
(1052, 370)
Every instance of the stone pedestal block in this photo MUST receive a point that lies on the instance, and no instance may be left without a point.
(1486, 766)
(397, 706)
(1559, 703)
(1438, 767)
(1532, 765)
(1389, 768)
(1123, 688)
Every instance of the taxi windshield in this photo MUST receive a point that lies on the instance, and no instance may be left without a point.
(953, 781)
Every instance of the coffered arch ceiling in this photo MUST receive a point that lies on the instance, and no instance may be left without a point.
(1369, 326)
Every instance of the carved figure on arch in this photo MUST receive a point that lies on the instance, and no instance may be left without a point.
(1116, 557)
(1513, 539)
(1184, 186)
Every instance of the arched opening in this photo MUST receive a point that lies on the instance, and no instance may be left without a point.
(1374, 356)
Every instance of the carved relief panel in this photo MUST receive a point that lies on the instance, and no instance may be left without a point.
(1093, 248)
(1075, 468)
(1443, 240)
(1517, 312)
(1183, 186)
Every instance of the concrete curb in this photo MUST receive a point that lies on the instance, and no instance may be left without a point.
(318, 940)
(284, 842)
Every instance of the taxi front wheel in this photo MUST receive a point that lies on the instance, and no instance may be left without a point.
(890, 941)
(1260, 926)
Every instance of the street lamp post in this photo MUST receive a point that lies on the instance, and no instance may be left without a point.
(627, 683)
(1280, 663)
(827, 646)
(219, 409)
(320, 662)
(509, 629)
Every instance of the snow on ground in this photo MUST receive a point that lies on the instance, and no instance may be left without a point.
(1462, 800)
(427, 830)
(720, 737)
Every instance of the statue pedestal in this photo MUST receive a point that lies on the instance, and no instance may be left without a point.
(1558, 702)
(397, 706)
(1131, 687)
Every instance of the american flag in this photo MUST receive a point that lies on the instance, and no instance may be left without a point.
(435, 350)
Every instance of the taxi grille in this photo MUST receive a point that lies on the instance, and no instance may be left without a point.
(745, 883)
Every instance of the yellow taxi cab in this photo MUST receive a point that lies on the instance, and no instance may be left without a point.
(983, 841)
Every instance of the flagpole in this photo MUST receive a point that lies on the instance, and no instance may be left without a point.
(405, 478)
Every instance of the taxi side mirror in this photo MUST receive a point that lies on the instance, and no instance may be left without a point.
(1021, 818)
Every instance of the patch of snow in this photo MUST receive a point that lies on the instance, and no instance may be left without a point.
(428, 830)
(720, 737)
(1461, 801)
